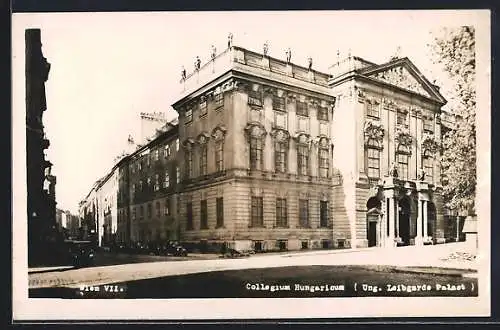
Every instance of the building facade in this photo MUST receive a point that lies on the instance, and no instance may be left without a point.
(278, 156)
(271, 155)
(41, 199)
(148, 185)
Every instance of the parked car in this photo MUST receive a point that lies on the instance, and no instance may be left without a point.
(80, 253)
(172, 248)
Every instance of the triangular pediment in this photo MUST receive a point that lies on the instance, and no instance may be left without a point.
(402, 73)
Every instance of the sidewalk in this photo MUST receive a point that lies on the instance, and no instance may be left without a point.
(401, 258)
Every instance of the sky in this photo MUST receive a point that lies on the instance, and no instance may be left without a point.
(106, 68)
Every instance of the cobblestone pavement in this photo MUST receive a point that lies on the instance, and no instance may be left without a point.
(427, 256)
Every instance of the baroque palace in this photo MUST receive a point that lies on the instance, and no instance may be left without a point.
(270, 155)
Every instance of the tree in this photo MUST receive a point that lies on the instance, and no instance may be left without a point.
(454, 50)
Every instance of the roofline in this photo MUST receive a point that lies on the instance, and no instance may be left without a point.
(354, 75)
(370, 70)
(237, 74)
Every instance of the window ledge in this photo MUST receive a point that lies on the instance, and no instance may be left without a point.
(256, 226)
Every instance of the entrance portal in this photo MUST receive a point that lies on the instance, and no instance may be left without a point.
(404, 208)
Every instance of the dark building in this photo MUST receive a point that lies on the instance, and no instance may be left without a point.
(40, 181)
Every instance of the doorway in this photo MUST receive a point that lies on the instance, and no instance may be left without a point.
(372, 233)
(404, 209)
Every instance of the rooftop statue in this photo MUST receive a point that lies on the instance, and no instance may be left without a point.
(266, 48)
(288, 53)
(230, 40)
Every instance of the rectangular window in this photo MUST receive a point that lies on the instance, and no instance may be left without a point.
(219, 210)
(323, 113)
(141, 212)
(323, 214)
(148, 160)
(281, 212)
(158, 209)
(167, 151)
(302, 109)
(203, 215)
(134, 214)
(157, 154)
(280, 155)
(219, 100)
(189, 216)
(257, 216)
(177, 145)
(428, 125)
(256, 156)
(373, 160)
(304, 213)
(157, 182)
(141, 186)
(189, 115)
(280, 119)
(219, 156)
(150, 210)
(279, 103)
(166, 181)
(189, 163)
(324, 163)
(203, 108)
(403, 166)
(429, 168)
(166, 209)
(203, 160)
(148, 183)
(255, 98)
(303, 159)
(372, 110)
(402, 119)
(178, 174)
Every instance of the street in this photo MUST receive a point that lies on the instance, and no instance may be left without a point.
(135, 273)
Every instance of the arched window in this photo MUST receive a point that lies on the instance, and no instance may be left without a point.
(428, 165)
(403, 155)
(373, 159)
